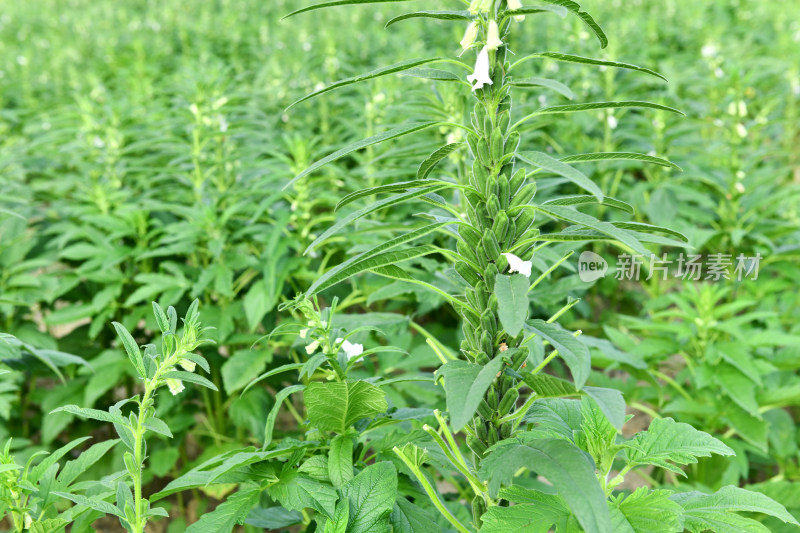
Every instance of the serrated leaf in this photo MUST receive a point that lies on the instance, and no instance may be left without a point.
(432, 160)
(573, 351)
(439, 15)
(666, 442)
(619, 156)
(512, 301)
(550, 164)
(610, 402)
(337, 406)
(717, 511)
(227, 515)
(375, 139)
(523, 518)
(338, 524)
(407, 517)
(297, 492)
(565, 466)
(645, 511)
(377, 73)
(465, 385)
(376, 206)
(372, 494)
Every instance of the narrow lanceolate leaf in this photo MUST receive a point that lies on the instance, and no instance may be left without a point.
(564, 465)
(395, 272)
(465, 384)
(190, 377)
(576, 217)
(433, 159)
(667, 442)
(649, 228)
(390, 187)
(574, 108)
(717, 512)
(354, 265)
(336, 3)
(573, 351)
(405, 129)
(440, 15)
(568, 58)
(377, 73)
(556, 86)
(558, 10)
(583, 200)
(337, 406)
(512, 301)
(381, 204)
(230, 513)
(131, 348)
(585, 17)
(431, 74)
(550, 164)
(91, 502)
(94, 414)
(273, 413)
(619, 156)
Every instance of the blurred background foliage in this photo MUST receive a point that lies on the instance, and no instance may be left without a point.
(144, 147)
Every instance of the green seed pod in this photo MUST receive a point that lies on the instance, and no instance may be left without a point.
(490, 245)
(485, 410)
(494, 438)
(479, 114)
(480, 291)
(485, 218)
(504, 121)
(489, 274)
(483, 153)
(473, 321)
(469, 275)
(497, 144)
(481, 174)
(487, 128)
(524, 195)
(492, 399)
(472, 140)
(491, 187)
(519, 357)
(472, 197)
(510, 234)
(508, 402)
(506, 383)
(512, 143)
(493, 305)
(517, 180)
(472, 299)
(505, 430)
(523, 222)
(500, 226)
(488, 322)
(505, 103)
(476, 446)
(463, 249)
(482, 260)
(481, 358)
(478, 508)
(470, 235)
(503, 191)
(492, 208)
(508, 168)
(486, 343)
(469, 334)
(532, 233)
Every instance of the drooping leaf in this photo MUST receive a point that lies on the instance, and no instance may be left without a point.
(465, 384)
(439, 15)
(512, 301)
(619, 156)
(269, 426)
(573, 351)
(568, 58)
(432, 160)
(94, 414)
(583, 200)
(390, 187)
(585, 17)
(337, 406)
(550, 164)
(336, 3)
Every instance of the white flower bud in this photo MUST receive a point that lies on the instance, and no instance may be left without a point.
(351, 350)
(470, 35)
(311, 348)
(175, 386)
(493, 41)
(188, 365)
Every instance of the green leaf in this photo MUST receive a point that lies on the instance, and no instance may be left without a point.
(407, 517)
(131, 348)
(645, 511)
(274, 371)
(547, 386)
(512, 301)
(574, 108)
(337, 406)
(269, 426)
(582, 200)
(377, 73)
(376, 206)
(390, 187)
(53, 458)
(431, 74)
(573, 351)
(230, 513)
(523, 518)
(76, 467)
(372, 494)
(338, 524)
(375, 139)
(395, 272)
(619, 156)
(550, 164)
(242, 368)
(340, 460)
(432, 160)
(555, 85)
(94, 414)
(558, 10)
(585, 17)
(465, 385)
(336, 3)
(610, 403)
(667, 442)
(606, 228)
(257, 303)
(91, 502)
(649, 228)
(297, 492)
(568, 58)
(354, 265)
(439, 15)
(190, 377)
(565, 466)
(717, 511)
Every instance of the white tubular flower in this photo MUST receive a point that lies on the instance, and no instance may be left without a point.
(303, 333)
(188, 365)
(470, 35)
(311, 348)
(351, 350)
(480, 76)
(175, 386)
(493, 41)
(515, 264)
(514, 5)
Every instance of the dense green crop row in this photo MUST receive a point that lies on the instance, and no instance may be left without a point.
(371, 342)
